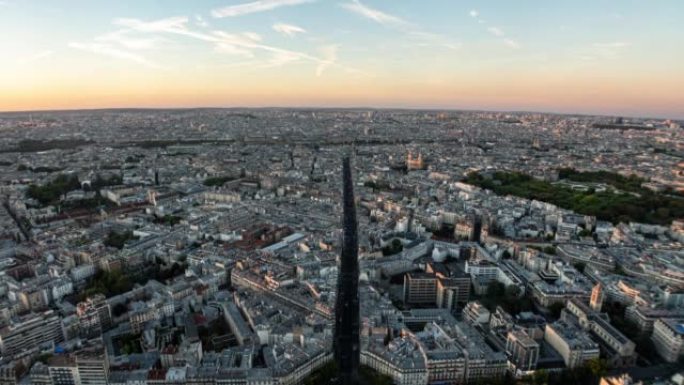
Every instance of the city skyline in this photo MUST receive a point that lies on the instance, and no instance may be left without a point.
(295, 247)
(574, 57)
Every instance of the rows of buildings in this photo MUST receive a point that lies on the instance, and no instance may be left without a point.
(205, 250)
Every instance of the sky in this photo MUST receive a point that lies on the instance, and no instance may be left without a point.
(612, 57)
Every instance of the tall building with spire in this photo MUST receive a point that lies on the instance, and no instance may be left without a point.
(346, 337)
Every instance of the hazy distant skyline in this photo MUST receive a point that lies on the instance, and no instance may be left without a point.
(612, 57)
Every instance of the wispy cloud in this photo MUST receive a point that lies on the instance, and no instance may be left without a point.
(109, 51)
(433, 39)
(391, 21)
(617, 44)
(123, 38)
(288, 29)
(125, 43)
(329, 56)
(254, 7)
(511, 43)
(609, 50)
(496, 31)
(232, 46)
(201, 22)
(38, 56)
(243, 44)
(279, 59)
(475, 14)
(177, 23)
(240, 44)
(246, 44)
(373, 14)
(598, 52)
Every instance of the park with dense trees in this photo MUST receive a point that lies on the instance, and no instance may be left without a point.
(118, 239)
(51, 192)
(631, 204)
(218, 181)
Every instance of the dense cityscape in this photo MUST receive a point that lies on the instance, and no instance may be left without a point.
(203, 247)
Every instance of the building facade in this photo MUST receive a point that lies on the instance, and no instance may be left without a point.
(668, 338)
(523, 351)
(571, 342)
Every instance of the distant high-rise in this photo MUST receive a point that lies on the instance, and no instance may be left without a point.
(346, 338)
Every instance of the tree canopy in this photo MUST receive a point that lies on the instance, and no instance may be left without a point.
(51, 192)
(631, 205)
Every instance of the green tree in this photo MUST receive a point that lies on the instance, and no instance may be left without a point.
(106, 283)
(622, 206)
(512, 292)
(585, 233)
(394, 247)
(119, 309)
(551, 250)
(323, 375)
(217, 181)
(555, 309)
(117, 239)
(496, 289)
(51, 192)
(540, 377)
(598, 367)
(168, 220)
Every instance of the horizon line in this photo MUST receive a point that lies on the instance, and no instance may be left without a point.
(349, 108)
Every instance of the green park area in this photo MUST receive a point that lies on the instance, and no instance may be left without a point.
(51, 192)
(218, 181)
(630, 203)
